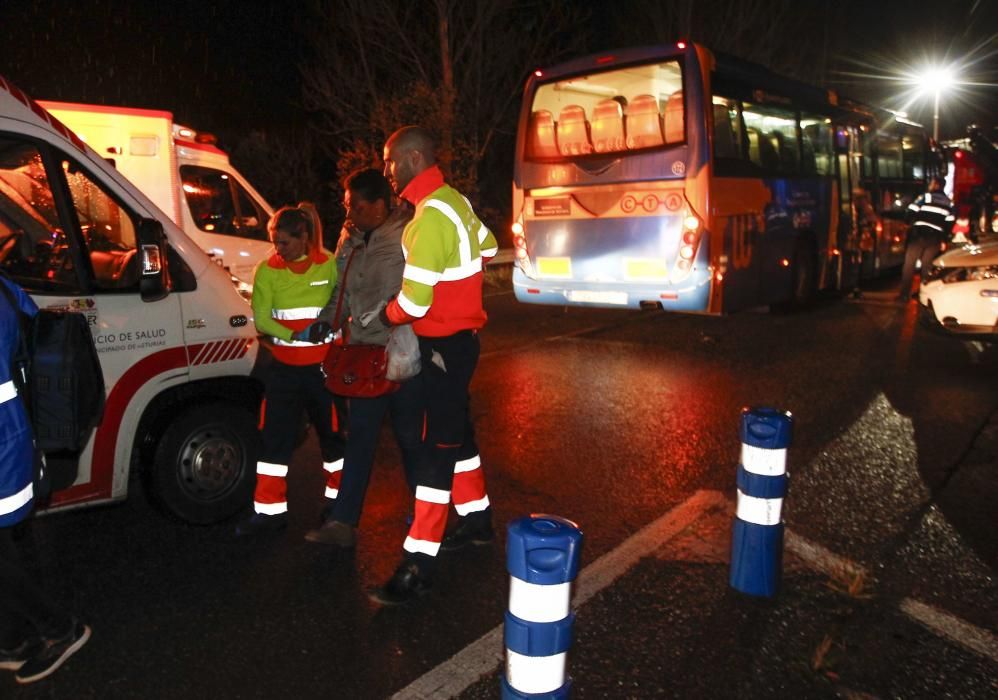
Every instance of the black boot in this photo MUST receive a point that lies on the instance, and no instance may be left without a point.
(473, 529)
(406, 583)
(260, 524)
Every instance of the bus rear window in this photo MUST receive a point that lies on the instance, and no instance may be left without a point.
(629, 109)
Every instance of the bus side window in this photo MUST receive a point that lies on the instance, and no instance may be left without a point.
(725, 145)
(541, 139)
(675, 131)
(808, 163)
(786, 147)
(644, 124)
(608, 127)
(888, 156)
(573, 131)
(761, 151)
(817, 138)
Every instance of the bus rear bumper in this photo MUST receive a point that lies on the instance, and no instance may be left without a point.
(692, 295)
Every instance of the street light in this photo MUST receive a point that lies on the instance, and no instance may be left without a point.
(936, 80)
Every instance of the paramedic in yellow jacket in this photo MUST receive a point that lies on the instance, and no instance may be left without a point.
(445, 246)
(289, 290)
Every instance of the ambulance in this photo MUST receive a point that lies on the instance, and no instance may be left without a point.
(185, 174)
(176, 340)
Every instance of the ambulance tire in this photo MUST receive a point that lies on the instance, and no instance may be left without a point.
(204, 469)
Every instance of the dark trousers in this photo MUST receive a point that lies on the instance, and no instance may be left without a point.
(366, 415)
(921, 247)
(289, 390)
(450, 435)
(25, 611)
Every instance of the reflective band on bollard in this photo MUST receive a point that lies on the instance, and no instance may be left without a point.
(757, 536)
(542, 556)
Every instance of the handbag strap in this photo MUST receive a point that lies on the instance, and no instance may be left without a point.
(343, 289)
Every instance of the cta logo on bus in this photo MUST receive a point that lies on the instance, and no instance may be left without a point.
(650, 202)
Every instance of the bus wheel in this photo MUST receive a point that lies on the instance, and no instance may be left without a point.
(204, 469)
(802, 290)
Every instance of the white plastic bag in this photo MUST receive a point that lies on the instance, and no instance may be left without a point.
(403, 353)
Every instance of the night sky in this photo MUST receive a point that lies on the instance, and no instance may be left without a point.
(232, 64)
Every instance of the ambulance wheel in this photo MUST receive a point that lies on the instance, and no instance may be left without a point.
(204, 469)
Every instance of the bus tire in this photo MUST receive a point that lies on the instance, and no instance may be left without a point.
(204, 469)
(802, 281)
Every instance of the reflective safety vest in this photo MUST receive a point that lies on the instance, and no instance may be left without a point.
(285, 301)
(444, 246)
(931, 215)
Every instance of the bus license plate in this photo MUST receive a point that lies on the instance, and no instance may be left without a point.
(559, 268)
(587, 296)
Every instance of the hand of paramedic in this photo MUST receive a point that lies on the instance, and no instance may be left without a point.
(316, 332)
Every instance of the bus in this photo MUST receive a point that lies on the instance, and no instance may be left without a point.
(674, 177)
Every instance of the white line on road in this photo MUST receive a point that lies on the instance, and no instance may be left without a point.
(942, 623)
(821, 559)
(483, 656)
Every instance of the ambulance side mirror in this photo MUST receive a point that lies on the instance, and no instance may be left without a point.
(154, 281)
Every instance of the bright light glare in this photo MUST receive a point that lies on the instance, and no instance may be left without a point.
(935, 80)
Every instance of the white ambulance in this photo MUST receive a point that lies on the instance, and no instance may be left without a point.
(175, 338)
(185, 174)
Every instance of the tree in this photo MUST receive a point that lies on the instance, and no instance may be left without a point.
(455, 67)
(779, 34)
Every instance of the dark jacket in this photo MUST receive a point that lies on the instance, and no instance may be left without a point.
(931, 216)
(375, 275)
(16, 443)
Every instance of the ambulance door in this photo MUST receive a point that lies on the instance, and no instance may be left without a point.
(229, 222)
(71, 242)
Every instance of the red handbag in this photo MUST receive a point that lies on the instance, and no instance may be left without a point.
(355, 371)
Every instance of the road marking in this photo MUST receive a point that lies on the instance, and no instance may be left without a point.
(952, 627)
(821, 559)
(939, 622)
(485, 655)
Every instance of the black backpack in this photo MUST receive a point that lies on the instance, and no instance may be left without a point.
(58, 374)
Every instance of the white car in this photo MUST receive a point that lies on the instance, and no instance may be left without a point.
(960, 292)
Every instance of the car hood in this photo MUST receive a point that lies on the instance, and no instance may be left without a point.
(970, 256)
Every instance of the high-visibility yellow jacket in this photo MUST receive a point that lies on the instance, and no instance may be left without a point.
(445, 246)
(285, 301)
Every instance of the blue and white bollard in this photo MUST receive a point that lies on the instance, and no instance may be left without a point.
(542, 556)
(757, 539)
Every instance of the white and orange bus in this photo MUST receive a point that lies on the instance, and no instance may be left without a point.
(674, 177)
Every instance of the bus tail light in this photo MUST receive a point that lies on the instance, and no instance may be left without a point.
(520, 246)
(688, 247)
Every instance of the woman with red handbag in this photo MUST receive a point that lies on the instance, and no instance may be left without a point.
(289, 291)
(369, 256)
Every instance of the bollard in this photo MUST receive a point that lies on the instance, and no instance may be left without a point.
(757, 537)
(542, 556)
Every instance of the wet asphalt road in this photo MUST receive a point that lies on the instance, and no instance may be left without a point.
(610, 418)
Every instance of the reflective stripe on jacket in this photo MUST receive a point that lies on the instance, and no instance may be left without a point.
(444, 246)
(931, 215)
(285, 301)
